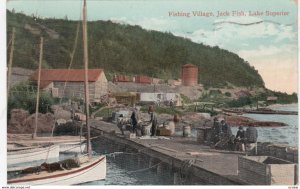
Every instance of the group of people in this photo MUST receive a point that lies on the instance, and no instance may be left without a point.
(169, 103)
(223, 138)
(153, 120)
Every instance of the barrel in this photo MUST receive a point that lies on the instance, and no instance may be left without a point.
(200, 136)
(171, 126)
(186, 131)
(146, 130)
(176, 118)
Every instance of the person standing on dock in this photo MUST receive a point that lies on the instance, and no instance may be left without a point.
(216, 131)
(153, 120)
(225, 129)
(226, 138)
(134, 119)
(171, 103)
(240, 139)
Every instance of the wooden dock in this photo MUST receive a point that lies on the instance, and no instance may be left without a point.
(212, 166)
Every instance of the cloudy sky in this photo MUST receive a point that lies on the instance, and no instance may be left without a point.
(268, 42)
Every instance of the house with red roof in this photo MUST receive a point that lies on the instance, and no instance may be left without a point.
(69, 83)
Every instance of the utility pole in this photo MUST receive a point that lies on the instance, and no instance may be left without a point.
(38, 87)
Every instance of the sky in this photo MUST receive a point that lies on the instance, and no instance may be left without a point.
(267, 41)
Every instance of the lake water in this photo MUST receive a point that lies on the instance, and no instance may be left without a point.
(281, 135)
(127, 169)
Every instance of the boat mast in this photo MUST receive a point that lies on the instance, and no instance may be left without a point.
(38, 87)
(11, 55)
(86, 84)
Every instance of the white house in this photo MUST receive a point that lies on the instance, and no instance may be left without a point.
(161, 98)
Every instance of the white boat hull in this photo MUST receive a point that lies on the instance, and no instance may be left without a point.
(93, 170)
(72, 147)
(35, 154)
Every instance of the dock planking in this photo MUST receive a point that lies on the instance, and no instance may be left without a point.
(213, 166)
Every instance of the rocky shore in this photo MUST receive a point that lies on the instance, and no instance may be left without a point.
(236, 121)
(21, 122)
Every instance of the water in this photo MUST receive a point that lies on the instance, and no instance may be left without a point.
(131, 168)
(280, 135)
(287, 135)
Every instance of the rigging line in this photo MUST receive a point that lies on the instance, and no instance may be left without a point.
(140, 170)
(11, 55)
(72, 58)
(9, 42)
(71, 62)
(71, 148)
(70, 65)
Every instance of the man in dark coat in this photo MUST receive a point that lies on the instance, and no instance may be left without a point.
(216, 130)
(134, 120)
(241, 135)
(226, 138)
(240, 139)
(225, 129)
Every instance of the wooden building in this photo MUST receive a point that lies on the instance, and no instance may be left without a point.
(272, 99)
(70, 83)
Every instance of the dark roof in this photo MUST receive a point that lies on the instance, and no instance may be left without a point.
(67, 75)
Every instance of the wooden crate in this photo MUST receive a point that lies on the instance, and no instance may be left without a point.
(163, 132)
(266, 170)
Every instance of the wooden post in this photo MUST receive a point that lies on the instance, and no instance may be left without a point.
(159, 169)
(139, 161)
(176, 178)
(11, 54)
(38, 87)
(151, 162)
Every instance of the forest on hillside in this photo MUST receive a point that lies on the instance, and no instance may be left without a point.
(124, 49)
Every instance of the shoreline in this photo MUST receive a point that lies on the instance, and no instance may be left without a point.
(236, 121)
(282, 105)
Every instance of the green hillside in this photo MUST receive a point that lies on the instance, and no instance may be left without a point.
(120, 48)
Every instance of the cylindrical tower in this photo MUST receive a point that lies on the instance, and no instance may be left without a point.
(189, 75)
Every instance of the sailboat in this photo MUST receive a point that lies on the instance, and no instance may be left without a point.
(17, 154)
(91, 168)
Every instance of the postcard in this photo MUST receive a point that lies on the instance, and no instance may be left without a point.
(132, 92)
